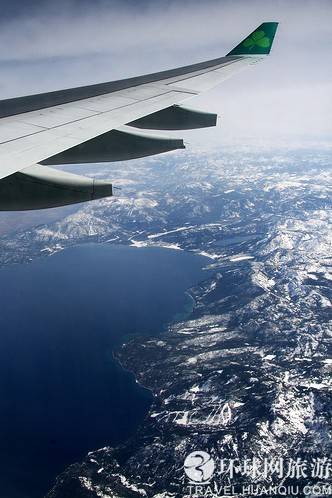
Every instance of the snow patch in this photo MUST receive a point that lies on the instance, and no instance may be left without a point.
(240, 257)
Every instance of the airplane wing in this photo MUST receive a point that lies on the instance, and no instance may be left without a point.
(104, 123)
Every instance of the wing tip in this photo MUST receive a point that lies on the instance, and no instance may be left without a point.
(259, 42)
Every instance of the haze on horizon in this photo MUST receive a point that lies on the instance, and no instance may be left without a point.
(287, 97)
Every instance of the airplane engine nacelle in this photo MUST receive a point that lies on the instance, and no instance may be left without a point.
(176, 118)
(116, 145)
(40, 187)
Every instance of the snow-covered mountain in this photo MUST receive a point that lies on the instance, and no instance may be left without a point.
(249, 373)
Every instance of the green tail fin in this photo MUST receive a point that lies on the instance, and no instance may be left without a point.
(259, 42)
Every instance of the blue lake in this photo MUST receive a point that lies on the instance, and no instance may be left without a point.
(61, 392)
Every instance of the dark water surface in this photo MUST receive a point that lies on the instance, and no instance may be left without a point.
(61, 393)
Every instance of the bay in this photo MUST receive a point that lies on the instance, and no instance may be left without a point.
(61, 392)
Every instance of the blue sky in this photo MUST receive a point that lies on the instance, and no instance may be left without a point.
(50, 45)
